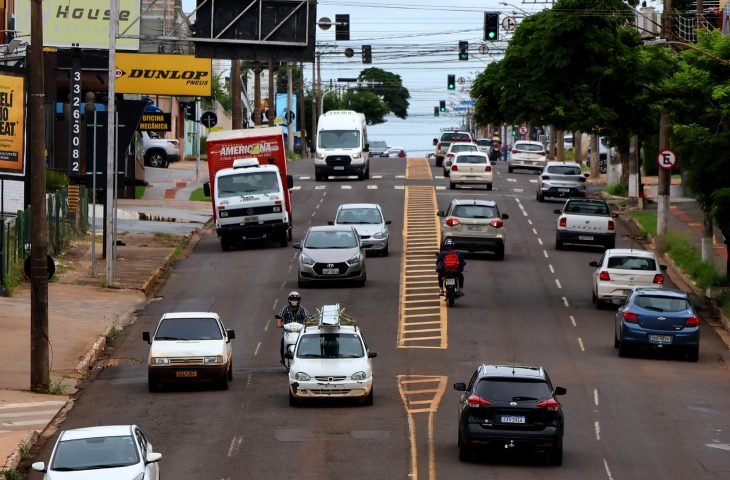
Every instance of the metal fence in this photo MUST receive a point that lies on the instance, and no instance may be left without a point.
(64, 224)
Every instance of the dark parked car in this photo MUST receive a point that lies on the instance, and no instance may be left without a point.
(509, 407)
(658, 318)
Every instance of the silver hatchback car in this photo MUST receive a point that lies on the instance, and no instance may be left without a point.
(368, 220)
(331, 253)
(561, 179)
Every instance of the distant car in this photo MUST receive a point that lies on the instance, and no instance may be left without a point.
(474, 226)
(442, 143)
(368, 220)
(378, 148)
(113, 452)
(158, 151)
(561, 179)
(506, 407)
(620, 270)
(190, 347)
(586, 222)
(471, 168)
(528, 155)
(454, 148)
(332, 252)
(658, 318)
(484, 144)
(395, 152)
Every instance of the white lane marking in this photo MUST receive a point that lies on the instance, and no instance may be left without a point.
(235, 445)
(32, 413)
(597, 427)
(544, 252)
(529, 221)
(721, 446)
(31, 404)
(372, 187)
(532, 180)
(400, 187)
(539, 240)
(306, 177)
(314, 213)
(23, 423)
(346, 187)
(325, 193)
(273, 307)
(257, 349)
(608, 470)
(320, 187)
(283, 284)
(552, 270)
(248, 380)
(572, 320)
(517, 190)
(440, 187)
(565, 302)
(400, 176)
(296, 187)
(534, 230)
(266, 328)
(557, 282)
(595, 396)
(290, 267)
(512, 180)
(376, 176)
(580, 344)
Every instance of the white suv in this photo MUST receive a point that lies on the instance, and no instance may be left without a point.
(331, 360)
(158, 151)
(190, 347)
(528, 155)
(622, 269)
(442, 143)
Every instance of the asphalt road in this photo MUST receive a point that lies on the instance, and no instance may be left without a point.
(626, 418)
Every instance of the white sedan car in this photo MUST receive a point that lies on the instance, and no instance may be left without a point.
(455, 148)
(622, 269)
(471, 168)
(113, 452)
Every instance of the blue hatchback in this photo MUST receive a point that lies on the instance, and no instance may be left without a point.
(660, 319)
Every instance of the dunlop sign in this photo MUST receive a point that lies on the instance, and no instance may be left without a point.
(155, 121)
(152, 73)
(12, 124)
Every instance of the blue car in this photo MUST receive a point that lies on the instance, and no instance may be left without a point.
(660, 319)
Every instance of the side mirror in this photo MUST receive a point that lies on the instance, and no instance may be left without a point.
(146, 337)
(387, 222)
(558, 211)
(153, 457)
(231, 334)
(586, 174)
(560, 391)
(289, 355)
(39, 467)
(460, 387)
(366, 148)
(297, 245)
(331, 222)
(435, 141)
(372, 354)
(440, 213)
(505, 216)
(289, 181)
(593, 264)
(206, 189)
(663, 267)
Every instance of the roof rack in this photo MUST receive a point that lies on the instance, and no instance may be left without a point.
(330, 316)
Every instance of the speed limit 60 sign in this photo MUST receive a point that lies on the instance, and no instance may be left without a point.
(666, 159)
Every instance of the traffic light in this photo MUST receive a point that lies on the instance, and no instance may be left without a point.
(491, 26)
(463, 50)
(442, 105)
(367, 54)
(189, 108)
(515, 130)
(342, 27)
(451, 82)
(435, 111)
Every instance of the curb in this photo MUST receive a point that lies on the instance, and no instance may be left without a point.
(15, 458)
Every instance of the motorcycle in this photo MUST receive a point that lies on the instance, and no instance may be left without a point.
(450, 278)
(291, 335)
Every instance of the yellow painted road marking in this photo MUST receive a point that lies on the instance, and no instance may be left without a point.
(418, 169)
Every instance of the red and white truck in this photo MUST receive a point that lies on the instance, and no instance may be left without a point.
(249, 185)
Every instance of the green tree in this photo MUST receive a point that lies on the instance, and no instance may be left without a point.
(367, 102)
(220, 93)
(389, 88)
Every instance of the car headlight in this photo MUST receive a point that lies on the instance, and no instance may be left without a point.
(305, 260)
(215, 359)
(357, 155)
(160, 361)
(320, 156)
(276, 209)
(359, 376)
(354, 260)
(302, 377)
(223, 213)
(379, 235)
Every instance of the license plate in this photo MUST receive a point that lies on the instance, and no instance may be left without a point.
(330, 271)
(186, 374)
(660, 339)
(513, 419)
(474, 227)
(251, 219)
(586, 238)
(563, 190)
(450, 281)
(339, 167)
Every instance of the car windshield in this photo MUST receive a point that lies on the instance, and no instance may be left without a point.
(471, 159)
(512, 389)
(330, 345)
(152, 134)
(188, 329)
(587, 208)
(484, 143)
(463, 148)
(564, 170)
(632, 263)
(474, 211)
(339, 138)
(661, 303)
(378, 144)
(248, 184)
(455, 137)
(359, 216)
(528, 147)
(95, 453)
(330, 239)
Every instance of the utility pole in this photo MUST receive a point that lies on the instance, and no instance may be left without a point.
(257, 94)
(665, 176)
(39, 341)
(271, 111)
(302, 123)
(320, 103)
(634, 169)
(111, 164)
(236, 104)
(289, 107)
(595, 157)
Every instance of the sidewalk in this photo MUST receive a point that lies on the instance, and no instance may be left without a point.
(141, 261)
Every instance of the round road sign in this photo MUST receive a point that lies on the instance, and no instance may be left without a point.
(483, 49)
(666, 159)
(509, 23)
(209, 119)
(523, 130)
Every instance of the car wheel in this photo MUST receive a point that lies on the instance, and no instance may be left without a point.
(439, 162)
(152, 384)
(302, 283)
(366, 176)
(611, 244)
(385, 250)
(540, 197)
(555, 457)
(363, 281)
(447, 173)
(499, 253)
(225, 243)
(283, 240)
(157, 159)
(594, 298)
(368, 401)
(509, 169)
(452, 186)
(615, 342)
(293, 401)
(489, 186)
(466, 454)
(693, 355)
(230, 372)
(558, 244)
(223, 382)
(623, 349)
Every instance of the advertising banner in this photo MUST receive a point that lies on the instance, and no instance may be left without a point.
(158, 74)
(284, 114)
(12, 124)
(156, 121)
(81, 23)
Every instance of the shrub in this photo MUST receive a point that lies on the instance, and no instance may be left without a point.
(56, 180)
(689, 260)
(647, 220)
(616, 190)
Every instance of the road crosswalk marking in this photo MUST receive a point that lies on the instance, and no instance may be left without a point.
(27, 415)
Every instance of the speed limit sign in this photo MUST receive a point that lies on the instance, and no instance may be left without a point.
(666, 159)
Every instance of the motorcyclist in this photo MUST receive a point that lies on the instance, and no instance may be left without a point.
(293, 311)
(446, 247)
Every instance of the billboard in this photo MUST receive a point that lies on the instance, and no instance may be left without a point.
(12, 124)
(283, 114)
(158, 74)
(156, 121)
(81, 23)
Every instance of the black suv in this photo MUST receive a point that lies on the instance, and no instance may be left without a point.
(510, 407)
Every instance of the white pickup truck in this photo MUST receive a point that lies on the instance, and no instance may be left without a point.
(586, 222)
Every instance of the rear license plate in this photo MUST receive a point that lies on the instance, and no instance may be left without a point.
(585, 238)
(251, 219)
(339, 167)
(330, 271)
(662, 339)
(566, 190)
(450, 281)
(513, 419)
(186, 374)
(474, 227)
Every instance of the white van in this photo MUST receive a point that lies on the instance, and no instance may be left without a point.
(342, 145)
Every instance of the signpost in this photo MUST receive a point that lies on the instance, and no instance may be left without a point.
(209, 119)
(509, 24)
(666, 159)
(523, 130)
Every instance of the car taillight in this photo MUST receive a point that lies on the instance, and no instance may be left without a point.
(496, 223)
(174, 142)
(454, 168)
(545, 177)
(563, 222)
(611, 225)
(659, 278)
(515, 151)
(452, 222)
(542, 154)
(604, 276)
(550, 404)
(488, 168)
(630, 317)
(449, 155)
(476, 401)
(692, 322)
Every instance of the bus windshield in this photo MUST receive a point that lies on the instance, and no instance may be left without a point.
(253, 183)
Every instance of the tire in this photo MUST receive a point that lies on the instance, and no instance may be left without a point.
(223, 382)
(509, 169)
(366, 176)
(225, 243)
(555, 457)
(302, 283)
(283, 240)
(466, 454)
(152, 384)
(540, 197)
(361, 176)
(450, 298)
(499, 253)
(489, 187)
(447, 173)
(594, 298)
(558, 244)
(230, 372)
(452, 186)
(363, 281)
(318, 177)
(289, 234)
(611, 244)
(615, 342)
(368, 401)
(623, 350)
(293, 401)
(157, 159)
(385, 250)
(693, 355)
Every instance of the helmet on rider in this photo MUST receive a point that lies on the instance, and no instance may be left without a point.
(294, 299)
(448, 244)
